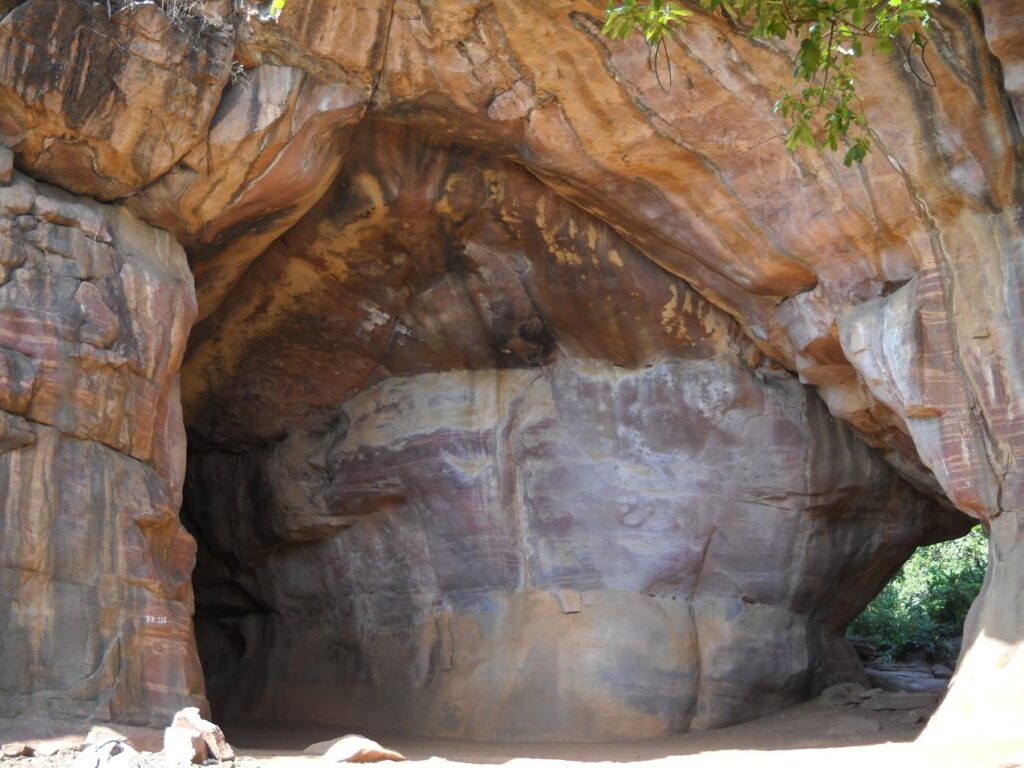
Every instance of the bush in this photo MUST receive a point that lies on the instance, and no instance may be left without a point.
(924, 606)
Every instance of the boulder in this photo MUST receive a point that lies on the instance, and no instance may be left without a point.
(16, 749)
(192, 739)
(901, 701)
(90, 103)
(184, 746)
(107, 754)
(843, 693)
(358, 749)
(910, 678)
(141, 739)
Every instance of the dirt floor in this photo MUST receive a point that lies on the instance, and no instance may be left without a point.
(816, 734)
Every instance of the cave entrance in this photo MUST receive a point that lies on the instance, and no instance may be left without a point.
(909, 635)
(464, 462)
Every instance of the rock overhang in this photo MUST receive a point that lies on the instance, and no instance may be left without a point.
(892, 293)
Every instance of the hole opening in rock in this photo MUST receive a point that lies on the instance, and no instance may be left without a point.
(909, 636)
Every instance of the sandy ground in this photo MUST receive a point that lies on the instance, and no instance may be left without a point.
(806, 735)
(796, 737)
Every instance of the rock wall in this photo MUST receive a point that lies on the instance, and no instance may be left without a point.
(95, 567)
(893, 289)
(110, 123)
(569, 501)
(577, 551)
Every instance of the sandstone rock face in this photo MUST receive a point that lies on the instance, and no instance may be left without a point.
(277, 140)
(537, 215)
(535, 525)
(939, 204)
(427, 257)
(192, 739)
(96, 106)
(552, 553)
(689, 176)
(1004, 31)
(94, 311)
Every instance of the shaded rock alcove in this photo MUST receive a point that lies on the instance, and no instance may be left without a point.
(465, 463)
(494, 344)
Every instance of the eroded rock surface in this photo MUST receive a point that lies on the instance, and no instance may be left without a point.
(525, 524)
(277, 140)
(103, 106)
(692, 177)
(894, 289)
(94, 565)
(576, 551)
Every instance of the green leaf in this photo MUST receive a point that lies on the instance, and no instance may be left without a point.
(854, 154)
(808, 58)
(824, 113)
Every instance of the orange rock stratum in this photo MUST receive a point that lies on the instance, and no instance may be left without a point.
(491, 388)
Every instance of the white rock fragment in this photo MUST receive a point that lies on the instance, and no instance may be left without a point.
(357, 749)
(191, 739)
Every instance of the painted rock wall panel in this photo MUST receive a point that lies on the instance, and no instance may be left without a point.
(428, 256)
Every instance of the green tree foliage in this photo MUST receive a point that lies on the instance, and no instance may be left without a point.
(823, 111)
(925, 604)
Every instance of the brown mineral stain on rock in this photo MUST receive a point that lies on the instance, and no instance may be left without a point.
(523, 333)
(93, 105)
(491, 414)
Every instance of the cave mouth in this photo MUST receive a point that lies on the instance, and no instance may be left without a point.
(464, 462)
(910, 635)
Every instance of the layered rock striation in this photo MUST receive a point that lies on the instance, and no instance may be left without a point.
(568, 500)
(547, 209)
(95, 567)
(556, 553)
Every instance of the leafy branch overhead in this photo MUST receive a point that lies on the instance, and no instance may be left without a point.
(823, 111)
